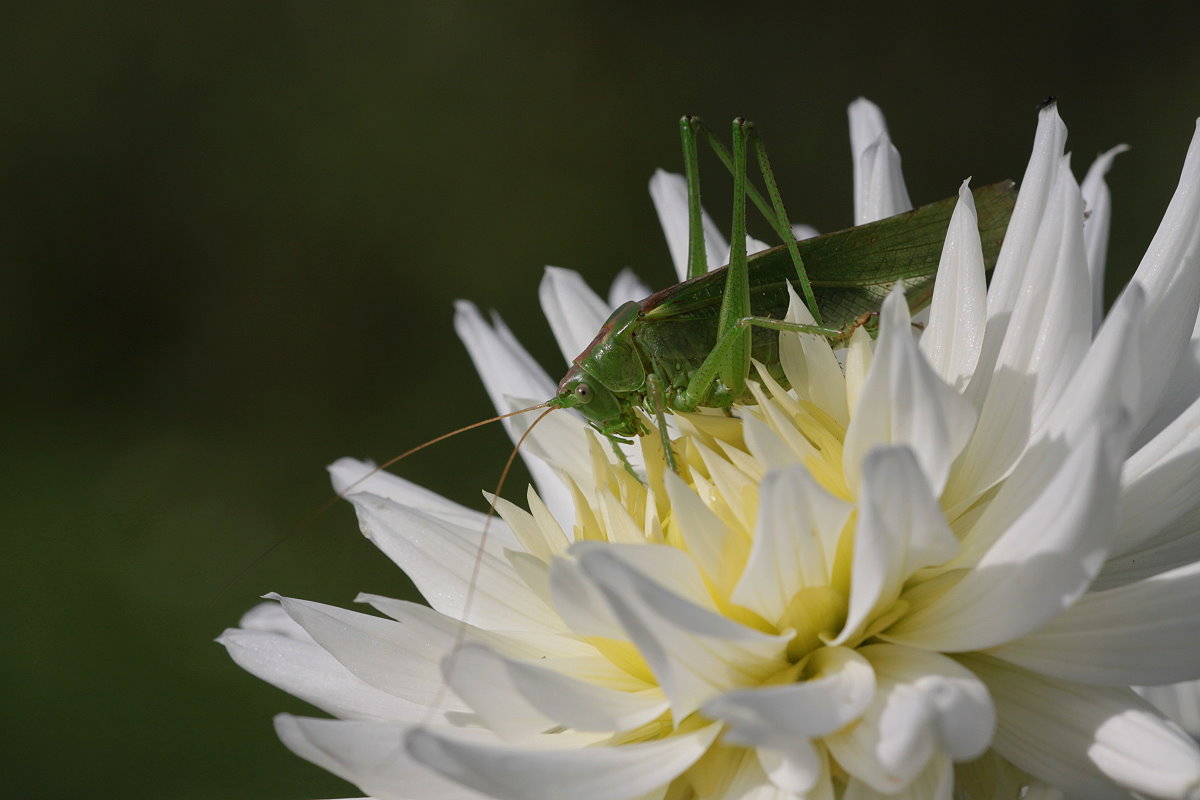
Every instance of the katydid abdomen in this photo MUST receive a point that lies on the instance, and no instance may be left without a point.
(668, 336)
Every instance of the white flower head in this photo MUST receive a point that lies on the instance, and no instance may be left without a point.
(932, 570)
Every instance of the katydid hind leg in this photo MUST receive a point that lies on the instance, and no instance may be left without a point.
(697, 257)
(735, 304)
(783, 227)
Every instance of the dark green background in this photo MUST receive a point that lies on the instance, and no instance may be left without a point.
(230, 235)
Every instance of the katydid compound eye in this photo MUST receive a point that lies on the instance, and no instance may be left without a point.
(583, 393)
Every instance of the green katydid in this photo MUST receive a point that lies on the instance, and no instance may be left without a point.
(691, 344)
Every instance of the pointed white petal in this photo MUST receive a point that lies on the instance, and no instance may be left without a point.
(269, 617)
(627, 286)
(705, 536)
(904, 403)
(1009, 276)
(402, 660)
(1039, 567)
(592, 773)
(1170, 275)
(879, 189)
(781, 721)
(925, 707)
(883, 193)
(580, 603)
(505, 367)
(859, 352)
(309, 672)
(1158, 485)
(669, 193)
(694, 653)
(350, 476)
(810, 365)
(1046, 337)
(370, 755)
(1098, 202)
(801, 231)
(1179, 701)
(439, 557)
(1179, 544)
(1141, 633)
(900, 530)
(866, 125)
(795, 542)
(520, 698)
(574, 311)
(1080, 737)
(958, 314)
(507, 371)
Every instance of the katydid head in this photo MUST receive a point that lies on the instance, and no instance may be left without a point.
(608, 378)
(600, 406)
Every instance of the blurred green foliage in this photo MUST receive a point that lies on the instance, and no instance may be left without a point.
(231, 233)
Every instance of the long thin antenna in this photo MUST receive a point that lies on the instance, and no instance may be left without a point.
(460, 635)
(321, 509)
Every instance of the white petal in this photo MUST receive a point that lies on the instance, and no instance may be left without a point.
(1098, 202)
(349, 475)
(795, 542)
(883, 192)
(801, 232)
(1179, 701)
(958, 314)
(839, 686)
(782, 720)
(669, 193)
(1009, 276)
(1179, 545)
(705, 536)
(859, 353)
(810, 365)
(520, 698)
(370, 755)
(1108, 378)
(507, 370)
(1145, 633)
(925, 706)
(903, 402)
(1170, 275)
(574, 311)
(440, 559)
(1159, 485)
(627, 286)
(269, 617)
(402, 660)
(879, 189)
(1039, 567)
(580, 603)
(694, 653)
(900, 530)
(1047, 336)
(935, 782)
(309, 672)
(1070, 735)
(593, 773)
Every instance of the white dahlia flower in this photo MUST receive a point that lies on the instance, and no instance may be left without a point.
(932, 570)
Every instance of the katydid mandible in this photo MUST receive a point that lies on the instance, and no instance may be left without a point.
(691, 345)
